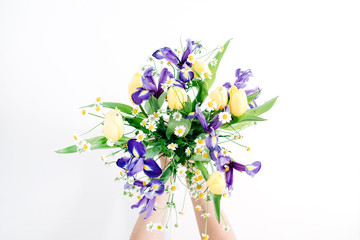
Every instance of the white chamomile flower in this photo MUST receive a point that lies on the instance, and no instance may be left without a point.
(159, 227)
(191, 58)
(221, 48)
(152, 118)
(138, 197)
(188, 151)
(173, 187)
(197, 172)
(172, 146)
(122, 172)
(180, 130)
(135, 110)
(177, 116)
(181, 213)
(238, 136)
(150, 226)
(198, 208)
(200, 142)
(201, 196)
(211, 105)
(226, 228)
(110, 142)
(204, 236)
(168, 83)
(151, 126)
(157, 116)
(98, 100)
(143, 123)
(225, 117)
(213, 62)
(103, 158)
(205, 74)
(205, 215)
(77, 138)
(200, 188)
(204, 154)
(198, 149)
(140, 136)
(181, 171)
(85, 146)
(224, 152)
(226, 193)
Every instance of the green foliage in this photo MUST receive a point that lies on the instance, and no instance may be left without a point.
(216, 199)
(252, 96)
(152, 105)
(166, 174)
(173, 124)
(154, 151)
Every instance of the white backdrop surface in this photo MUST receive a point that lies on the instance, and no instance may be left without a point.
(58, 55)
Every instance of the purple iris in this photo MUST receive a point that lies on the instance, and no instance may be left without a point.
(150, 191)
(242, 77)
(225, 164)
(212, 140)
(149, 86)
(185, 74)
(137, 162)
(215, 122)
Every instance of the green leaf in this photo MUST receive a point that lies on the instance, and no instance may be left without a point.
(214, 69)
(173, 124)
(166, 174)
(216, 200)
(199, 165)
(252, 96)
(250, 116)
(151, 105)
(122, 107)
(98, 142)
(161, 99)
(154, 151)
(204, 87)
(262, 108)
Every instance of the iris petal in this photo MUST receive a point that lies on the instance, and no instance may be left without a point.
(151, 168)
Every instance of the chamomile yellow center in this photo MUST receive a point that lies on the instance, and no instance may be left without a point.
(75, 138)
(173, 188)
(156, 115)
(168, 82)
(180, 130)
(200, 178)
(168, 63)
(159, 227)
(103, 159)
(206, 75)
(205, 155)
(140, 137)
(143, 123)
(191, 58)
(85, 146)
(135, 111)
(98, 99)
(224, 194)
(201, 195)
(138, 197)
(83, 112)
(198, 150)
(172, 145)
(197, 172)
(224, 116)
(210, 104)
(97, 108)
(248, 149)
(198, 187)
(201, 141)
(151, 127)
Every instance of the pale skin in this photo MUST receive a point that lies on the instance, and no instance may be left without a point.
(214, 229)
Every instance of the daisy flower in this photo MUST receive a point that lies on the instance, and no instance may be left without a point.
(205, 215)
(85, 146)
(191, 58)
(206, 74)
(150, 226)
(225, 117)
(198, 208)
(226, 193)
(221, 48)
(122, 172)
(200, 142)
(205, 236)
(213, 62)
(180, 130)
(211, 105)
(198, 149)
(98, 100)
(181, 213)
(172, 146)
(200, 188)
(143, 123)
(157, 116)
(238, 136)
(76, 138)
(188, 151)
(135, 111)
(140, 136)
(103, 158)
(159, 227)
(197, 172)
(181, 171)
(169, 83)
(177, 116)
(151, 126)
(83, 112)
(224, 152)
(204, 154)
(173, 187)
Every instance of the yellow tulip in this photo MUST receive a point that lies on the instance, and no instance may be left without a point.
(176, 97)
(134, 84)
(199, 67)
(113, 125)
(216, 183)
(238, 101)
(220, 96)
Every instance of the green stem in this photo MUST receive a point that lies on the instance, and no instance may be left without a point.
(143, 111)
(91, 129)
(96, 115)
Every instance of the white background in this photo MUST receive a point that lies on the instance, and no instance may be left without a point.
(58, 55)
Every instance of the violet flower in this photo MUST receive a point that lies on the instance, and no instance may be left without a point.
(150, 191)
(137, 162)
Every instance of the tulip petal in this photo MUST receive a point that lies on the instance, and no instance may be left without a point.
(137, 149)
(151, 168)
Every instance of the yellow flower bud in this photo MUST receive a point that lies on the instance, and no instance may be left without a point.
(176, 97)
(238, 101)
(216, 183)
(199, 67)
(219, 96)
(134, 84)
(113, 125)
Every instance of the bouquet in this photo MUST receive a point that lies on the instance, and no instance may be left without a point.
(174, 116)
